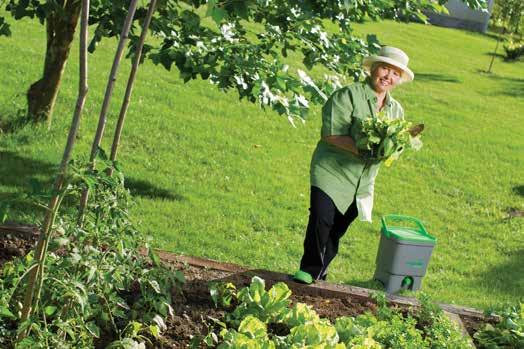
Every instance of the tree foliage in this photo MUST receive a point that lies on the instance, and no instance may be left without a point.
(509, 14)
(244, 45)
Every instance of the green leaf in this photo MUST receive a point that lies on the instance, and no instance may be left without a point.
(279, 292)
(218, 14)
(154, 285)
(154, 257)
(50, 310)
(5, 312)
(4, 27)
(253, 327)
(93, 329)
(155, 330)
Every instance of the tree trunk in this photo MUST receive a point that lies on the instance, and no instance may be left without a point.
(42, 94)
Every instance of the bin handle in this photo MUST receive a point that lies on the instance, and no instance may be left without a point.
(398, 217)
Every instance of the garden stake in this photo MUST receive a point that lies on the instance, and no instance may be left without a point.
(124, 35)
(130, 83)
(495, 52)
(36, 274)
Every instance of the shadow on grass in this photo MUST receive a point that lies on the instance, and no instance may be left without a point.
(509, 86)
(508, 277)
(138, 187)
(493, 54)
(24, 179)
(519, 190)
(12, 123)
(437, 77)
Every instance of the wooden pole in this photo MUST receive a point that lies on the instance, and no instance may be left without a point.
(496, 48)
(107, 98)
(35, 277)
(130, 83)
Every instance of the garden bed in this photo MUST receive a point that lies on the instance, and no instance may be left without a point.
(194, 310)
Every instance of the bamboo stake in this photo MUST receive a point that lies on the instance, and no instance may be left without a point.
(107, 98)
(36, 275)
(130, 83)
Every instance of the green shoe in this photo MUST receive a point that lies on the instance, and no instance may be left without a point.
(303, 277)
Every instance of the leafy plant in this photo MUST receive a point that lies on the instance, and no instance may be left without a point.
(385, 139)
(97, 287)
(508, 333)
(222, 293)
(514, 49)
(268, 306)
(387, 328)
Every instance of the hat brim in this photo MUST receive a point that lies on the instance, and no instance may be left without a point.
(407, 74)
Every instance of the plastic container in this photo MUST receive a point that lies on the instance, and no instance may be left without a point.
(403, 254)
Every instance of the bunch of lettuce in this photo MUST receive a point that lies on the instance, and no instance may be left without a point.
(384, 139)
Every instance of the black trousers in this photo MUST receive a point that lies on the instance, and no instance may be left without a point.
(325, 228)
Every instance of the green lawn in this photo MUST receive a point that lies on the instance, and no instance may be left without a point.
(219, 178)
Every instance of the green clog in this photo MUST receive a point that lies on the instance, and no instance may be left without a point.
(303, 277)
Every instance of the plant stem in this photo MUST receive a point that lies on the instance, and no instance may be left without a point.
(130, 83)
(43, 241)
(124, 35)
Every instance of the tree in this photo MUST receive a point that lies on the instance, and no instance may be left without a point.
(244, 49)
(509, 14)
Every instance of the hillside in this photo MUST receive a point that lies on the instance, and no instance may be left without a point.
(223, 179)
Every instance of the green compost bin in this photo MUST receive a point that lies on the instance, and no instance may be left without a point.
(403, 254)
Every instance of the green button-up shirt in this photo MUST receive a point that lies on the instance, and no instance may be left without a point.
(339, 173)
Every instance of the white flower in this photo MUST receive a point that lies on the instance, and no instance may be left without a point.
(266, 96)
(334, 80)
(295, 11)
(227, 32)
(302, 101)
(307, 81)
(275, 28)
(200, 46)
(283, 100)
(240, 81)
(304, 78)
(324, 38)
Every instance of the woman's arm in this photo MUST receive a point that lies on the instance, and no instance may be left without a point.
(343, 142)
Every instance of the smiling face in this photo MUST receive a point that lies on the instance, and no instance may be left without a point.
(384, 77)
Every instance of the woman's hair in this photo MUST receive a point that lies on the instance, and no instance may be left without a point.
(374, 66)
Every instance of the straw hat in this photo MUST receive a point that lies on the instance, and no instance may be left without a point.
(390, 55)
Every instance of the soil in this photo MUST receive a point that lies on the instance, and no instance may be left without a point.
(14, 245)
(193, 308)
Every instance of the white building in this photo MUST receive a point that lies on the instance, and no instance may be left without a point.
(461, 16)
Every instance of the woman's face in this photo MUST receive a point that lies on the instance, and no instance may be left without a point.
(385, 77)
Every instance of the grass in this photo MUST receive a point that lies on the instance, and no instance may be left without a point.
(219, 178)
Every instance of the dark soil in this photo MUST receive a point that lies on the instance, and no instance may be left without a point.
(195, 313)
(14, 245)
(195, 310)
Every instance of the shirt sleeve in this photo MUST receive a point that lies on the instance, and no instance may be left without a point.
(336, 114)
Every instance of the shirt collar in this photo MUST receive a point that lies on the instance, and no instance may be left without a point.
(371, 96)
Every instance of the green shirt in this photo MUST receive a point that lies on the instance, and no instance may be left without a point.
(340, 174)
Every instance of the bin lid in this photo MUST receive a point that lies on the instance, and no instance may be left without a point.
(407, 229)
(408, 234)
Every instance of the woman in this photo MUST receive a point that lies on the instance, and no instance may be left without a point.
(342, 181)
